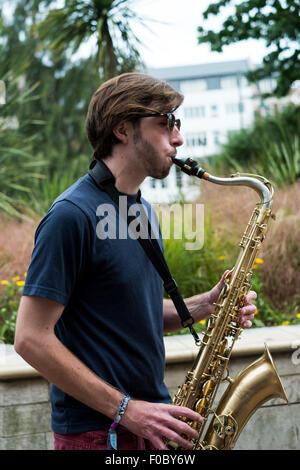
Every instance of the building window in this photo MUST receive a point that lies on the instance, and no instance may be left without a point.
(196, 139)
(175, 84)
(229, 82)
(214, 110)
(267, 85)
(178, 177)
(153, 183)
(194, 112)
(216, 137)
(213, 83)
(193, 86)
(232, 108)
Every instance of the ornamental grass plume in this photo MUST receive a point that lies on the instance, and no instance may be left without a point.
(16, 244)
(278, 262)
(281, 253)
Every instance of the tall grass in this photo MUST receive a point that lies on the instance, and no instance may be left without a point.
(19, 167)
(45, 191)
(271, 147)
(282, 253)
(227, 211)
(280, 161)
(198, 271)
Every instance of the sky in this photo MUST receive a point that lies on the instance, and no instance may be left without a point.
(173, 37)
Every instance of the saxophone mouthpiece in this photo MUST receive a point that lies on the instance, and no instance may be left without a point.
(190, 167)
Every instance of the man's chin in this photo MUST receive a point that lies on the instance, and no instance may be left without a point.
(160, 175)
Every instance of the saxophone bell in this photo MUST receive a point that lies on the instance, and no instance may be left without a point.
(250, 389)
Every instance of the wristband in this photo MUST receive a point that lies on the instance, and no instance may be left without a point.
(112, 435)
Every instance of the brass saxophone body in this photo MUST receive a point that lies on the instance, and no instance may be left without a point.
(259, 382)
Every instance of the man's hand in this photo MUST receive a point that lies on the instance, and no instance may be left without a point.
(158, 421)
(246, 313)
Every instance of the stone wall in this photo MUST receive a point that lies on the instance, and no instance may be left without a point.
(25, 406)
(25, 414)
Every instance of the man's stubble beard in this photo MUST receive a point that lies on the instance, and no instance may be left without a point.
(149, 157)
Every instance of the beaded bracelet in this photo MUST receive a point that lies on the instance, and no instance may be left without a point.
(112, 435)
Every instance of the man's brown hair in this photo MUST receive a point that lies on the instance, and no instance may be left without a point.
(125, 98)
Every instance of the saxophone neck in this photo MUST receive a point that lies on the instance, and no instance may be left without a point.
(260, 184)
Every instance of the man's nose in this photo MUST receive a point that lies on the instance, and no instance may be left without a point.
(176, 138)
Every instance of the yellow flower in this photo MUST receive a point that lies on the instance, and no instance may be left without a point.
(254, 266)
(21, 283)
(202, 322)
(285, 323)
(256, 312)
(25, 274)
(4, 283)
(259, 261)
(298, 315)
(221, 258)
(16, 278)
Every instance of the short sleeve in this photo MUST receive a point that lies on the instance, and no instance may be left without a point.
(62, 246)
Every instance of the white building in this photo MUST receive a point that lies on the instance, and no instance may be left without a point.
(218, 100)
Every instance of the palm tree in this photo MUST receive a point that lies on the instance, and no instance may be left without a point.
(106, 22)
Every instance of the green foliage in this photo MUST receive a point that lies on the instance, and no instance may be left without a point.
(267, 314)
(18, 169)
(280, 160)
(65, 29)
(199, 270)
(195, 271)
(270, 147)
(9, 302)
(271, 20)
(37, 45)
(46, 191)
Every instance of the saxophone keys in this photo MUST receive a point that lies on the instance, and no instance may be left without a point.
(225, 425)
(263, 228)
(208, 447)
(208, 387)
(195, 425)
(201, 406)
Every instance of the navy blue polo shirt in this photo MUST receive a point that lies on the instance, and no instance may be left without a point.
(112, 320)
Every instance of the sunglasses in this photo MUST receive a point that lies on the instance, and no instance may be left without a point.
(171, 120)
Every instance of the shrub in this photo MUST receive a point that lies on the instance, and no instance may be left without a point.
(9, 302)
(227, 211)
(271, 147)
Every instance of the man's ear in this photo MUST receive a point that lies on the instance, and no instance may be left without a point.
(121, 131)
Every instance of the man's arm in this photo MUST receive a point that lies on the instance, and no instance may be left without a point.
(202, 305)
(37, 343)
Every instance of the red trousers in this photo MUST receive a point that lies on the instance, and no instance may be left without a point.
(96, 440)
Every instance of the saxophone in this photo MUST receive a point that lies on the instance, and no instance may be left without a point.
(259, 382)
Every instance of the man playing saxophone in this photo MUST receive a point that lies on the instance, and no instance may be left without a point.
(92, 315)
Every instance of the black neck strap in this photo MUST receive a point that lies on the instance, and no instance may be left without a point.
(105, 180)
